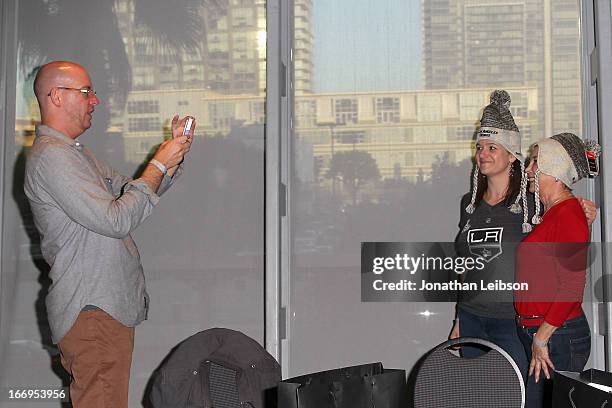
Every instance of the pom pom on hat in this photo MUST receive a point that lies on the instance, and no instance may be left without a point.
(501, 99)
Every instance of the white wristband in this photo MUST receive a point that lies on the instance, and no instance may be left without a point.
(160, 166)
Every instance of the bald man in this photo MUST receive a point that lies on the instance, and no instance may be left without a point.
(85, 212)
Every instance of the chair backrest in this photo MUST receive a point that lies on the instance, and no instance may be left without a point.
(223, 386)
(445, 380)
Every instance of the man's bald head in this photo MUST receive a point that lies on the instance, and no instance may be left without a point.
(63, 106)
(53, 74)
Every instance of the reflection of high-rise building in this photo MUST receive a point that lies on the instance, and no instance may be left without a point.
(222, 83)
(235, 52)
(566, 72)
(302, 45)
(230, 58)
(485, 43)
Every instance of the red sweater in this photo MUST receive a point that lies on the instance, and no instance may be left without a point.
(552, 261)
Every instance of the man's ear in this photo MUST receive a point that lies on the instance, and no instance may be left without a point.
(55, 97)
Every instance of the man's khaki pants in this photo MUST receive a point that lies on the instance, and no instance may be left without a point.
(97, 352)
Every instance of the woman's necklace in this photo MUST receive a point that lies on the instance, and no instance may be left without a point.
(558, 200)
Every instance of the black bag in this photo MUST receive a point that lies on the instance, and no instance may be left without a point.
(572, 390)
(363, 386)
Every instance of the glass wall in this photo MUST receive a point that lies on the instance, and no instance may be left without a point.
(202, 249)
(388, 95)
(387, 98)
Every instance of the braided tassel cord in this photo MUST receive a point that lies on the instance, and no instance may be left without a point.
(536, 217)
(471, 207)
(526, 225)
(515, 208)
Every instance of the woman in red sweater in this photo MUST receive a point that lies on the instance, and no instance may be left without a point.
(551, 260)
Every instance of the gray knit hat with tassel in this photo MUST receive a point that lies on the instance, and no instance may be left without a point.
(497, 125)
(564, 157)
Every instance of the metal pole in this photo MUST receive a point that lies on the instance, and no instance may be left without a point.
(601, 60)
(331, 133)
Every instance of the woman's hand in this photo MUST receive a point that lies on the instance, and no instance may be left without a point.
(590, 211)
(455, 330)
(540, 359)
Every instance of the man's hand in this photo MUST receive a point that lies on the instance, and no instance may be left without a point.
(177, 132)
(179, 125)
(171, 152)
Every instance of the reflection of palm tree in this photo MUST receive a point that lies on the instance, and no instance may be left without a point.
(88, 31)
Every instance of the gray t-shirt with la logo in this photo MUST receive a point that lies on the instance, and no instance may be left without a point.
(493, 233)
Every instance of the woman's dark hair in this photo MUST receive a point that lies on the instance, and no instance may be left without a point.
(514, 187)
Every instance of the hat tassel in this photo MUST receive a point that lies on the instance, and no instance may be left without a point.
(472, 207)
(536, 217)
(526, 225)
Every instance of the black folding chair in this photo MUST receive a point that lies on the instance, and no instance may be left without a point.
(446, 380)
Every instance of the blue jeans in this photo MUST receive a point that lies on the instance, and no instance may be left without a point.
(569, 349)
(498, 331)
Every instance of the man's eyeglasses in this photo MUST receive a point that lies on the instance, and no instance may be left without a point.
(88, 93)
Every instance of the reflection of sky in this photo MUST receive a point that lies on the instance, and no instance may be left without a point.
(366, 45)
